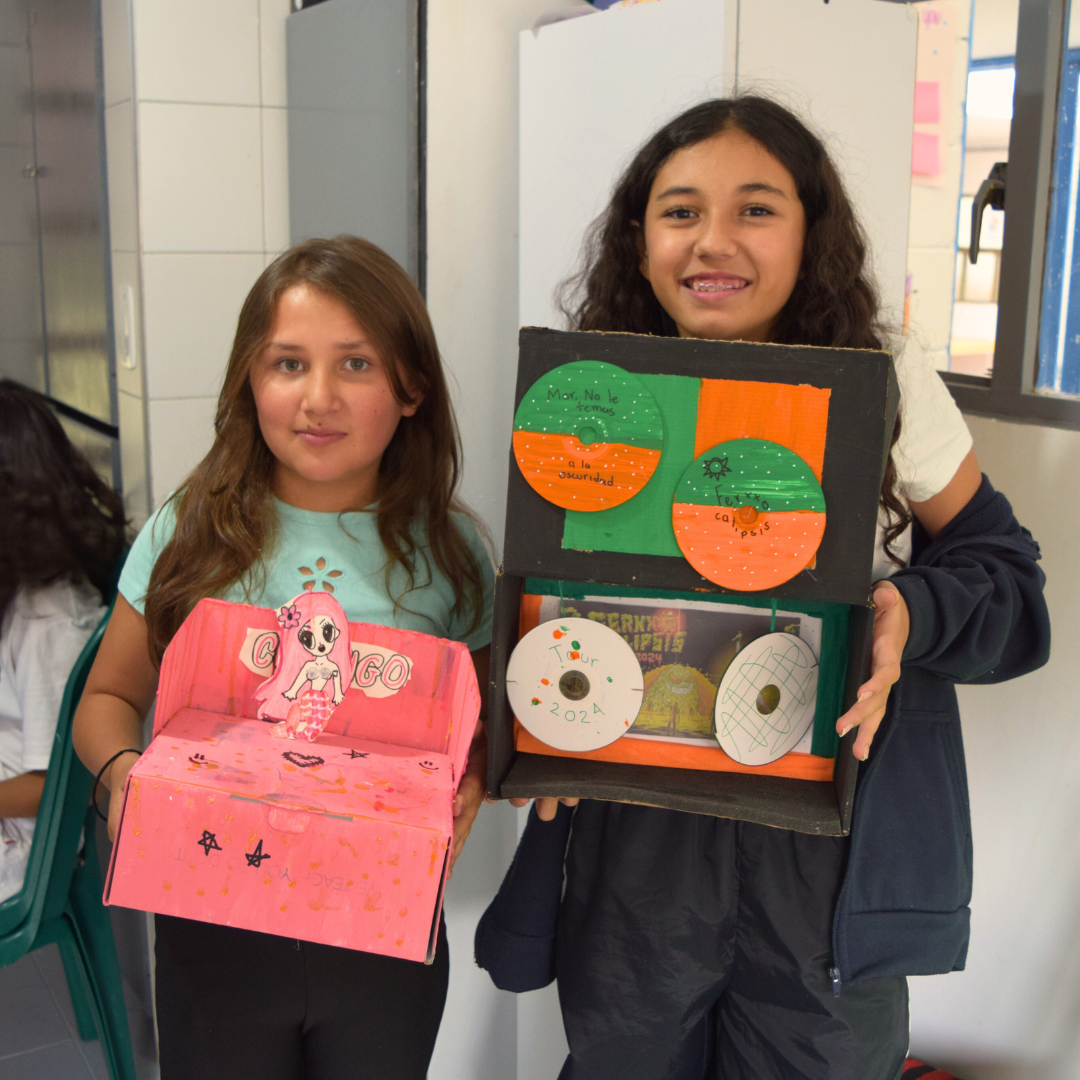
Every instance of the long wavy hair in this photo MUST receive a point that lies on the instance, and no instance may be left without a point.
(59, 521)
(225, 513)
(834, 302)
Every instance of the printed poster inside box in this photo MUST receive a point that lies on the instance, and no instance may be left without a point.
(684, 648)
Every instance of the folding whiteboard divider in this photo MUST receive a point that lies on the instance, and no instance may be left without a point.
(593, 89)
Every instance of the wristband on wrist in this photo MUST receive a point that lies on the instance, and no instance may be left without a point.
(101, 773)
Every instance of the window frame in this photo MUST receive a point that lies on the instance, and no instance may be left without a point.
(1009, 392)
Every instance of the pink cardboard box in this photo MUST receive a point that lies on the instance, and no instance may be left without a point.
(342, 840)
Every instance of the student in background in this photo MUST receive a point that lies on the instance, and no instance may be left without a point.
(61, 535)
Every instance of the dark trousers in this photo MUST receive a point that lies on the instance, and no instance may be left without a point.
(235, 1004)
(696, 948)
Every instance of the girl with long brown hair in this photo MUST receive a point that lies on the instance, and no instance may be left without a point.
(334, 467)
(695, 947)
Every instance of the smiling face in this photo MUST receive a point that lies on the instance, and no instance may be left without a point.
(722, 239)
(325, 405)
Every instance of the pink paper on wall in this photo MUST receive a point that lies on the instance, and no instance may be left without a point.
(341, 840)
(927, 101)
(925, 154)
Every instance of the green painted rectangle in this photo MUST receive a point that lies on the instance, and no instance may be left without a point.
(642, 525)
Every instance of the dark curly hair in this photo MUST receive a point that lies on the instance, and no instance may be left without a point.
(58, 520)
(834, 302)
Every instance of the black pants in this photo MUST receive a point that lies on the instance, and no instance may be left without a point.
(235, 1004)
(695, 948)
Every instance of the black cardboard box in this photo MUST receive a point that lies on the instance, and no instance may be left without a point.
(864, 398)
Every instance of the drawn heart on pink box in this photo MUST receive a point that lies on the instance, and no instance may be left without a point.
(302, 761)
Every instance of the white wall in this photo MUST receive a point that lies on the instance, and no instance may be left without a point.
(195, 126)
(472, 183)
(1014, 1014)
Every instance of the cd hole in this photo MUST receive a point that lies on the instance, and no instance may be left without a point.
(768, 698)
(587, 436)
(574, 685)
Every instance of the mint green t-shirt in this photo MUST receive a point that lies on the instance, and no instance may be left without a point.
(341, 553)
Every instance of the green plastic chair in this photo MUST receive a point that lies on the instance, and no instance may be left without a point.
(60, 900)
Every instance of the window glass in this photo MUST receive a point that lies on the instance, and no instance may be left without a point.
(1059, 329)
(963, 110)
(988, 116)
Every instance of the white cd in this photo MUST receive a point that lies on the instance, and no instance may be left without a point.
(766, 699)
(574, 684)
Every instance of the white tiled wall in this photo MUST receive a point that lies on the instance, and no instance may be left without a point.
(198, 196)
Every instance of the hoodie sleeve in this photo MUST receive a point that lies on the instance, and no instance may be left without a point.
(975, 596)
(515, 938)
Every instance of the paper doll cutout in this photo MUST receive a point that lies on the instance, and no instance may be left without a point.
(378, 671)
(313, 669)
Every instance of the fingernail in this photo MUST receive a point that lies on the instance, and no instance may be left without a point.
(865, 755)
(846, 730)
(866, 694)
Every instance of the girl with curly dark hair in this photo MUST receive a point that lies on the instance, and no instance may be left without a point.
(61, 535)
(696, 947)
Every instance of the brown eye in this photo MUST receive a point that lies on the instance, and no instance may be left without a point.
(307, 638)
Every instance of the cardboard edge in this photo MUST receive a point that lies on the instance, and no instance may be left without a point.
(433, 934)
(860, 655)
(504, 637)
(805, 806)
(116, 844)
(468, 701)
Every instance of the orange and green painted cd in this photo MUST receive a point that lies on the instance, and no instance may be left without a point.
(748, 514)
(588, 435)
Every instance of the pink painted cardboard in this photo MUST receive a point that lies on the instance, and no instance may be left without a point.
(342, 840)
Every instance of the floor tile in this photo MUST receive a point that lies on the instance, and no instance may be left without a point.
(61, 1061)
(51, 968)
(94, 1057)
(140, 1025)
(31, 1018)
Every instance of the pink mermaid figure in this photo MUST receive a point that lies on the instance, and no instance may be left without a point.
(313, 670)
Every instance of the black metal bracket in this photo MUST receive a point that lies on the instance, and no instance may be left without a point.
(992, 194)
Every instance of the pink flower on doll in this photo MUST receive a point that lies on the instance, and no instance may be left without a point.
(289, 616)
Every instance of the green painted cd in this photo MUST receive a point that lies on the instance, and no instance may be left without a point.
(748, 514)
(588, 435)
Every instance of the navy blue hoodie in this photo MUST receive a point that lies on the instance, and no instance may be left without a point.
(975, 596)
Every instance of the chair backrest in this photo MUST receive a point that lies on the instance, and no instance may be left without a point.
(61, 813)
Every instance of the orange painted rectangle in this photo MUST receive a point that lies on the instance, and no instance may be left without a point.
(679, 756)
(796, 417)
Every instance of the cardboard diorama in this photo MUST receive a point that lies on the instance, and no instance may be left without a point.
(301, 777)
(683, 610)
